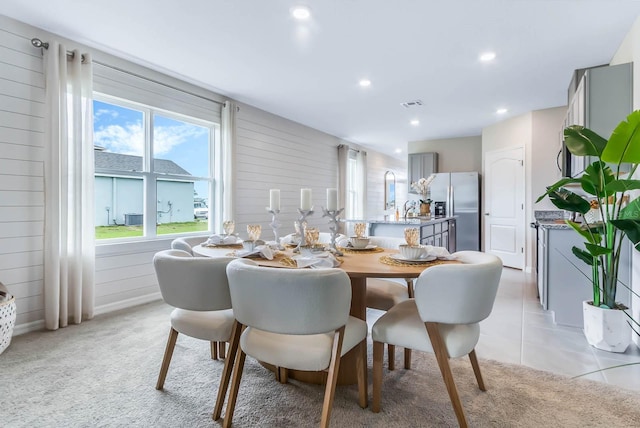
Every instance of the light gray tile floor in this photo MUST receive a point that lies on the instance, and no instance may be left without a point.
(519, 331)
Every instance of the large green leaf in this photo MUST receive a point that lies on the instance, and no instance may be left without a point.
(624, 143)
(558, 184)
(631, 211)
(631, 228)
(595, 179)
(622, 186)
(582, 141)
(583, 255)
(597, 250)
(587, 234)
(569, 201)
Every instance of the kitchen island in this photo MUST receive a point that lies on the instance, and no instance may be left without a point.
(438, 231)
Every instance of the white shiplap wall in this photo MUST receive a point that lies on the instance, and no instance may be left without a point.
(271, 152)
(21, 173)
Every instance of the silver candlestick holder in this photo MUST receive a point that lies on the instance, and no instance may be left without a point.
(301, 221)
(275, 225)
(333, 221)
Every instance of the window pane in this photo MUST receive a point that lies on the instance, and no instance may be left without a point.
(180, 148)
(178, 210)
(118, 135)
(118, 211)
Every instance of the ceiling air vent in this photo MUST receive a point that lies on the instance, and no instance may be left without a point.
(414, 103)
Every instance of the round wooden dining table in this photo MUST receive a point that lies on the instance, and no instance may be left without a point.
(359, 265)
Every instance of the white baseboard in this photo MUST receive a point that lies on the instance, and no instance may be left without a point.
(28, 327)
(99, 310)
(123, 304)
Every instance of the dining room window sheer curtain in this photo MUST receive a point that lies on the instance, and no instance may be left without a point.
(228, 137)
(352, 181)
(69, 252)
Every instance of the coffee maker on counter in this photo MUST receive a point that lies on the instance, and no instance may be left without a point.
(439, 208)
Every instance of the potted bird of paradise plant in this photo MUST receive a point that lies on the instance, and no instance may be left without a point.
(607, 199)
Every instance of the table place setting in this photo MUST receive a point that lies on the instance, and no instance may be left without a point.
(413, 253)
(322, 260)
(359, 242)
(222, 241)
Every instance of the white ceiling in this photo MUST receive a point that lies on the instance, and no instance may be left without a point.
(255, 52)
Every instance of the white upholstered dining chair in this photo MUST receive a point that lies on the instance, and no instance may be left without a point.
(383, 294)
(186, 243)
(294, 319)
(197, 288)
(450, 301)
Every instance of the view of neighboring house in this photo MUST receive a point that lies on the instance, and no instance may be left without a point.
(119, 200)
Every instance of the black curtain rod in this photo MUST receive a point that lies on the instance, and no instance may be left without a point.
(45, 45)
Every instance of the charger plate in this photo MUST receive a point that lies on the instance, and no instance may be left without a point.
(393, 262)
(347, 250)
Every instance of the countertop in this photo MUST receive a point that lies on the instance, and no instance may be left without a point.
(553, 224)
(409, 221)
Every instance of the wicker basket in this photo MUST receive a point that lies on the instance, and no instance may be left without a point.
(7, 322)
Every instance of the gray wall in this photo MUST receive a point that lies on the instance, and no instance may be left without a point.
(454, 154)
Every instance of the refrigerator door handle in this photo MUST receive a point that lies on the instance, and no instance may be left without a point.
(452, 208)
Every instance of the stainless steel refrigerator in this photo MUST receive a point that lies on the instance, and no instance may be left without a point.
(460, 191)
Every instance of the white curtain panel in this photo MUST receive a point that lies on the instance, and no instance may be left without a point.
(343, 160)
(361, 184)
(69, 261)
(228, 131)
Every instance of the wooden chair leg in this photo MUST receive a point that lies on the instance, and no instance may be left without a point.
(234, 340)
(214, 350)
(410, 287)
(235, 386)
(391, 357)
(442, 356)
(378, 354)
(332, 377)
(284, 374)
(361, 368)
(407, 359)
(168, 353)
(476, 369)
(221, 349)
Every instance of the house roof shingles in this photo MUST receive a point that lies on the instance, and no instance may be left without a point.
(120, 162)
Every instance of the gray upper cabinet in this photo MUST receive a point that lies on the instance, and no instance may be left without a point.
(601, 100)
(421, 165)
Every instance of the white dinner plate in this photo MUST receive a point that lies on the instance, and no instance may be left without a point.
(368, 247)
(400, 258)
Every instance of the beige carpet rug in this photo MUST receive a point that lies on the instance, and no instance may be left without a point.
(103, 372)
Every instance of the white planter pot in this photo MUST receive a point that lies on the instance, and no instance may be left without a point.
(606, 329)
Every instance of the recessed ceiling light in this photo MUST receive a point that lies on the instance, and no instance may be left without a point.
(415, 122)
(501, 111)
(398, 150)
(365, 82)
(488, 56)
(301, 12)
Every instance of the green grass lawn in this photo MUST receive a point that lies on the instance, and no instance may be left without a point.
(110, 232)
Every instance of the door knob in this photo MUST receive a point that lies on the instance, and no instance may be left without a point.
(486, 213)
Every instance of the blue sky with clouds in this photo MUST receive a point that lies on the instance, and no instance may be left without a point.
(121, 130)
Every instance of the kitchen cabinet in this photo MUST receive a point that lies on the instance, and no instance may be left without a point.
(542, 267)
(438, 232)
(421, 165)
(564, 281)
(601, 100)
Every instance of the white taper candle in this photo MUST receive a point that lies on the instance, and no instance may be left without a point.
(332, 199)
(305, 199)
(274, 199)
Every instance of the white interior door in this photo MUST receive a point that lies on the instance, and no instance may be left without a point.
(504, 205)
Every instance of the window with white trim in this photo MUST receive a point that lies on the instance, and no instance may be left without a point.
(154, 170)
